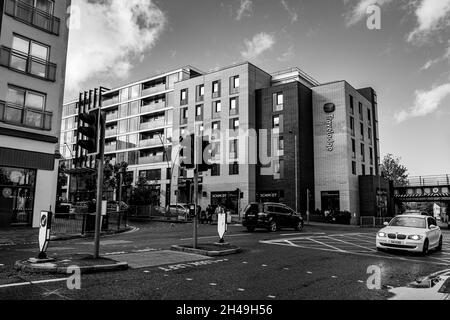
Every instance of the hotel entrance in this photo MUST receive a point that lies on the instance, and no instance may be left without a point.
(331, 201)
(17, 187)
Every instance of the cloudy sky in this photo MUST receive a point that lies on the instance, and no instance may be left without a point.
(407, 62)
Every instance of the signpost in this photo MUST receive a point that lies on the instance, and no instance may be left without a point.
(222, 225)
(44, 233)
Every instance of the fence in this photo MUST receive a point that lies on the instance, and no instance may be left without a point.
(374, 222)
(84, 223)
(155, 212)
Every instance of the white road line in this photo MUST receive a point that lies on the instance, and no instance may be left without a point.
(327, 245)
(226, 236)
(271, 297)
(189, 279)
(367, 241)
(241, 290)
(31, 283)
(354, 244)
(309, 272)
(114, 253)
(213, 284)
(370, 255)
(300, 234)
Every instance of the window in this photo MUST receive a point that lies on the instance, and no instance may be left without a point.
(352, 106)
(281, 144)
(234, 106)
(26, 107)
(352, 126)
(199, 113)
(151, 175)
(363, 168)
(217, 106)
(184, 115)
(362, 130)
(135, 91)
(369, 115)
(215, 126)
(34, 59)
(215, 170)
(44, 5)
(184, 97)
(371, 155)
(234, 85)
(234, 148)
(216, 89)
(369, 131)
(200, 93)
(354, 168)
(353, 149)
(371, 171)
(363, 153)
(278, 101)
(234, 124)
(361, 114)
(276, 122)
(234, 169)
(124, 95)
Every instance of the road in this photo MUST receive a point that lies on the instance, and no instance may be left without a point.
(321, 262)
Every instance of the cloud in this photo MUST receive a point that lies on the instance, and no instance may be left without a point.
(288, 55)
(431, 63)
(426, 102)
(111, 34)
(359, 11)
(245, 10)
(260, 43)
(291, 11)
(431, 15)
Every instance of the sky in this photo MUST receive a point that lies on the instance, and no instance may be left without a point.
(406, 60)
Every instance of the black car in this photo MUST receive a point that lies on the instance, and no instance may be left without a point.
(339, 217)
(271, 216)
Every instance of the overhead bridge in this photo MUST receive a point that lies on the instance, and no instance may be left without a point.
(424, 189)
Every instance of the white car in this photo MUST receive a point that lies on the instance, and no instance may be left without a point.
(412, 233)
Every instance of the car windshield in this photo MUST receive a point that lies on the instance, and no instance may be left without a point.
(408, 222)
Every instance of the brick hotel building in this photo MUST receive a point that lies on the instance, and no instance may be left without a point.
(33, 47)
(322, 138)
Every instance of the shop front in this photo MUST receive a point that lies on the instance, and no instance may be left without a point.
(17, 192)
(229, 199)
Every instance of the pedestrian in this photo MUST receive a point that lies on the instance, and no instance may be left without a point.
(209, 212)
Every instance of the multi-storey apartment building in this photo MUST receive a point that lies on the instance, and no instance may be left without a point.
(279, 137)
(33, 49)
(139, 126)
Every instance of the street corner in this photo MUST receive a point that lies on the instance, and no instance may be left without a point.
(81, 262)
(210, 250)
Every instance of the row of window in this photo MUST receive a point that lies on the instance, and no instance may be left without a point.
(361, 130)
(360, 110)
(363, 152)
(363, 169)
(216, 90)
(216, 110)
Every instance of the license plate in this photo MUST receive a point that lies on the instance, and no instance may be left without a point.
(396, 242)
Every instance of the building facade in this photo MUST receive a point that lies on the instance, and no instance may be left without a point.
(281, 137)
(33, 49)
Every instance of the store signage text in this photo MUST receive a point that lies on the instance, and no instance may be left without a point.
(330, 108)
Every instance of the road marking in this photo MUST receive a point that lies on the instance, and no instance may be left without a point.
(360, 281)
(299, 234)
(2, 265)
(271, 297)
(146, 271)
(309, 272)
(21, 284)
(245, 262)
(350, 243)
(327, 245)
(226, 236)
(241, 290)
(334, 277)
(264, 265)
(114, 253)
(213, 284)
(189, 279)
(287, 269)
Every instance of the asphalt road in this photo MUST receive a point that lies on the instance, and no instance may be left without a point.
(321, 262)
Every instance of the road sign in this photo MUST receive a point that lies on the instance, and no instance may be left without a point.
(44, 233)
(221, 225)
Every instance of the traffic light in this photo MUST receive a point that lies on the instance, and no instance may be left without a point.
(89, 126)
(187, 154)
(206, 155)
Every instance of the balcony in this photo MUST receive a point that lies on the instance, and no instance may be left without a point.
(27, 64)
(153, 90)
(150, 142)
(152, 124)
(151, 159)
(33, 16)
(112, 116)
(153, 107)
(108, 101)
(110, 147)
(110, 132)
(23, 116)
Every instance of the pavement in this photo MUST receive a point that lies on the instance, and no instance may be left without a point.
(321, 262)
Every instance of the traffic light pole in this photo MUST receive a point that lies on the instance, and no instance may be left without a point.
(100, 165)
(196, 205)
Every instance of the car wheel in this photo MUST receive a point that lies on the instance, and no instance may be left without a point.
(299, 226)
(273, 226)
(439, 247)
(425, 247)
(251, 229)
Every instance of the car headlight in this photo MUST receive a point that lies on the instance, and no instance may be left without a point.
(382, 234)
(415, 237)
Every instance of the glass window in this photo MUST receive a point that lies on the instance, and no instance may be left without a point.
(202, 90)
(352, 107)
(135, 91)
(16, 96)
(354, 168)
(216, 87)
(352, 125)
(20, 44)
(276, 122)
(281, 144)
(234, 124)
(123, 110)
(280, 99)
(35, 101)
(39, 51)
(198, 111)
(215, 125)
(134, 124)
(236, 82)
(217, 106)
(233, 103)
(124, 94)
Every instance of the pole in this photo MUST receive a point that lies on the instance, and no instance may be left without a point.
(296, 174)
(119, 200)
(196, 189)
(100, 163)
(307, 205)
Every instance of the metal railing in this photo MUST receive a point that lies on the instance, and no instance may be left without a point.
(33, 16)
(156, 212)
(424, 181)
(28, 117)
(84, 223)
(302, 73)
(21, 62)
(373, 222)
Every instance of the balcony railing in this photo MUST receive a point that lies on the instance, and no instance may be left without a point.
(108, 101)
(110, 147)
(110, 132)
(150, 142)
(151, 159)
(153, 107)
(28, 64)
(23, 116)
(152, 124)
(153, 90)
(111, 116)
(33, 16)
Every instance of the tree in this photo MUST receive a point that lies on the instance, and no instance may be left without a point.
(392, 169)
(62, 179)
